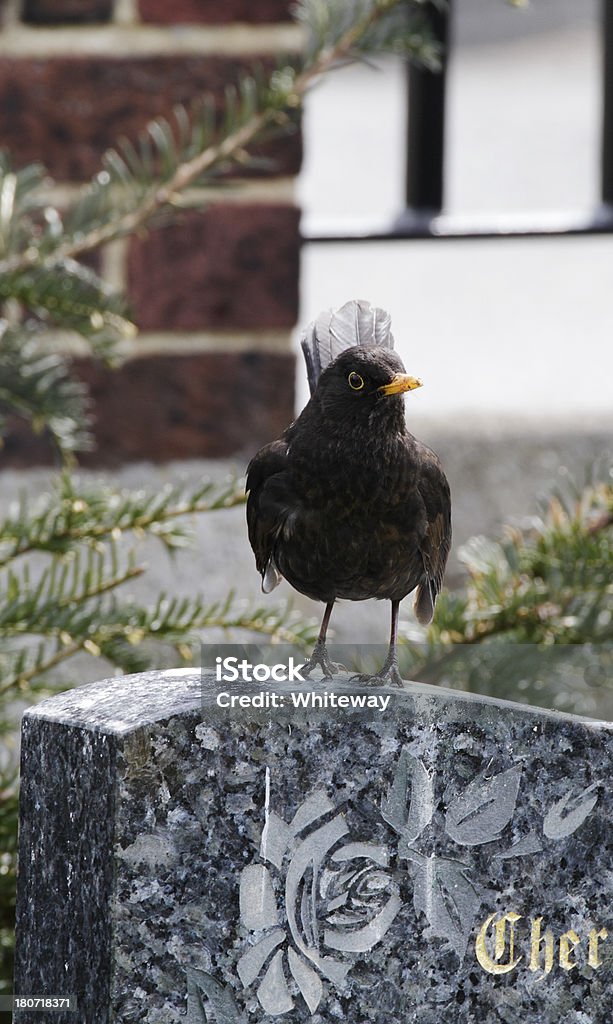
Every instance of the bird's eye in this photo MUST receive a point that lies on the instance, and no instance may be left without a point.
(355, 381)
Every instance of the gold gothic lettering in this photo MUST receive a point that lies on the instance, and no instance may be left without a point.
(535, 947)
(494, 965)
(496, 942)
(593, 956)
(568, 942)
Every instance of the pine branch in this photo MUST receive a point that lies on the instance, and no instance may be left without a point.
(338, 32)
(121, 632)
(71, 295)
(551, 583)
(20, 669)
(37, 385)
(73, 514)
(535, 619)
(21, 213)
(73, 606)
(137, 183)
(56, 604)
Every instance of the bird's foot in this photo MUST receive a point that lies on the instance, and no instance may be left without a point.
(321, 659)
(389, 674)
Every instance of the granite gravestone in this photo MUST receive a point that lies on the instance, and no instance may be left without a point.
(340, 853)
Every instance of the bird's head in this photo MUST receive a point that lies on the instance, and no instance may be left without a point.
(363, 379)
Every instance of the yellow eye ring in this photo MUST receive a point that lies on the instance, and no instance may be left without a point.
(355, 382)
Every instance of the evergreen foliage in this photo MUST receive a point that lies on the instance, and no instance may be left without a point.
(535, 618)
(69, 603)
(64, 565)
(44, 285)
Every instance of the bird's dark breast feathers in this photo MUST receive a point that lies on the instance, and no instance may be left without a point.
(339, 523)
(326, 558)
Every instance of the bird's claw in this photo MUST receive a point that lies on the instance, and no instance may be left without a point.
(389, 674)
(321, 659)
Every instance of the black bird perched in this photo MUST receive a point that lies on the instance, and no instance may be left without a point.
(347, 503)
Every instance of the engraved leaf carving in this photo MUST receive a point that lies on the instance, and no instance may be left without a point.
(308, 982)
(273, 994)
(479, 814)
(204, 992)
(570, 812)
(258, 907)
(409, 804)
(449, 900)
(528, 844)
(254, 957)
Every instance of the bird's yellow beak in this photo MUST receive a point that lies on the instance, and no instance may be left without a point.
(400, 382)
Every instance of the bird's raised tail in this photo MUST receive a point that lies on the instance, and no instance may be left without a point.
(334, 331)
(424, 602)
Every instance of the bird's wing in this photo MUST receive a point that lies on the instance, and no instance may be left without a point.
(267, 507)
(436, 542)
(334, 331)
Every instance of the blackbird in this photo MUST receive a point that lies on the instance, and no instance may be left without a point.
(347, 504)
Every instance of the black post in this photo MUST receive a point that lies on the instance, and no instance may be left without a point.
(426, 124)
(607, 104)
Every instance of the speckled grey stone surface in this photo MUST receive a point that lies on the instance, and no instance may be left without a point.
(446, 859)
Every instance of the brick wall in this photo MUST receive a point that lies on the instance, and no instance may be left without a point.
(215, 293)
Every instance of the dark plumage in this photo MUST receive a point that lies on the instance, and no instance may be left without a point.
(347, 503)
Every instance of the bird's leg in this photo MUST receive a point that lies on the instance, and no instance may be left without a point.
(320, 657)
(389, 673)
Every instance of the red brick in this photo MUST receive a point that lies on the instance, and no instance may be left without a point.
(53, 12)
(214, 11)
(235, 265)
(67, 111)
(158, 408)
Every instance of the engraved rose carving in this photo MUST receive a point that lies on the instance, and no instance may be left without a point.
(316, 898)
(316, 895)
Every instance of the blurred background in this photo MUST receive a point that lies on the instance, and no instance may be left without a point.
(499, 289)
(508, 329)
(511, 335)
